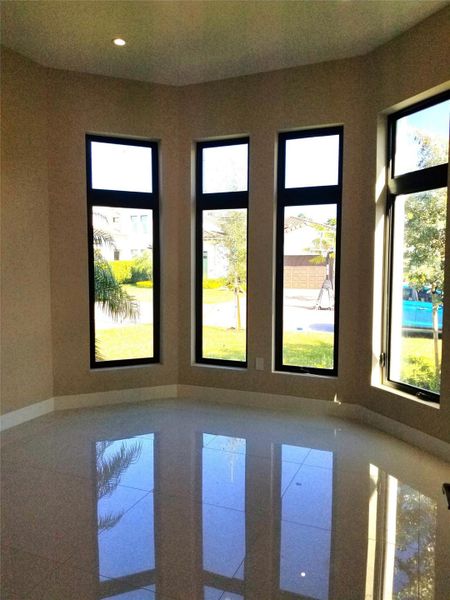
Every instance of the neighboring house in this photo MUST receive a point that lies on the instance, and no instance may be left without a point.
(304, 267)
(214, 257)
(131, 229)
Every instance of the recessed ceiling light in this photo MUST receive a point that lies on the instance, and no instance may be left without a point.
(119, 42)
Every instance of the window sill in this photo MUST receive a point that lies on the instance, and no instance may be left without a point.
(297, 374)
(395, 392)
(222, 367)
(124, 367)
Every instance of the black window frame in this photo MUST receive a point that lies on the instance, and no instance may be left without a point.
(420, 180)
(215, 201)
(124, 199)
(306, 196)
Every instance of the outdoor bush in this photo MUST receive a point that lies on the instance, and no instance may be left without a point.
(121, 270)
(144, 284)
(419, 372)
(214, 284)
(141, 267)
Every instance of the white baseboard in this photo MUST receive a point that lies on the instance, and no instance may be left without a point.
(22, 415)
(222, 396)
(115, 397)
(257, 399)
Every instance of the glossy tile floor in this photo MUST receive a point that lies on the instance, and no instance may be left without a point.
(185, 501)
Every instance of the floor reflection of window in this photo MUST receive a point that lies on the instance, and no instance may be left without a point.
(405, 540)
(210, 593)
(125, 521)
(306, 522)
(223, 515)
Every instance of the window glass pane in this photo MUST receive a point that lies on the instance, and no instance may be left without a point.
(309, 283)
(125, 522)
(306, 521)
(223, 506)
(312, 161)
(417, 291)
(421, 139)
(224, 290)
(123, 288)
(121, 167)
(225, 169)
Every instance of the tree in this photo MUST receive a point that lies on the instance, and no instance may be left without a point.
(232, 239)
(416, 542)
(425, 227)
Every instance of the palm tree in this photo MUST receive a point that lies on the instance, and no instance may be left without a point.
(108, 292)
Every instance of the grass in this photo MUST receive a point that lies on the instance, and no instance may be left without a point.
(140, 294)
(225, 344)
(308, 349)
(119, 343)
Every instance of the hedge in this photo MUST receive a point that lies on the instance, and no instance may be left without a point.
(214, 284)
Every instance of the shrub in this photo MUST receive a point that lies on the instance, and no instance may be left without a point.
(214, 284)
(141, 267)
(121, 270)
(144, 284)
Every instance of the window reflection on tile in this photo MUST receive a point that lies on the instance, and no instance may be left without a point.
(306, 522)
(223, 508)
(210, 593)
(125, 521)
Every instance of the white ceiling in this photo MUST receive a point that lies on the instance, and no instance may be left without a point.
(182, 42)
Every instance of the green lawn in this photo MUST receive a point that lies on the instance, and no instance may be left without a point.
(308, 349)
(225, 344)
(140, 294)
(132, 341)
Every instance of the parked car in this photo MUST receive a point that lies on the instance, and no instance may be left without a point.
(418, 308)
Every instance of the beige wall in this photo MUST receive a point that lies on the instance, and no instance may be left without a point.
(79, 104)
(352, 92)
(26, 351)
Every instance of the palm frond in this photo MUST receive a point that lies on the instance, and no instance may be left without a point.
(103, 238)
(111, 468)
(109, 294)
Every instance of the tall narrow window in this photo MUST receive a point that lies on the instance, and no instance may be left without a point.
(308, 231)
(221, 252)
(123, 229)
(417, 208)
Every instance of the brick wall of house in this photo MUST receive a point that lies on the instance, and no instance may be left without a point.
(304, 277)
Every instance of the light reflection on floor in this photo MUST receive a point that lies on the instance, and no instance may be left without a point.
(188, 501)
